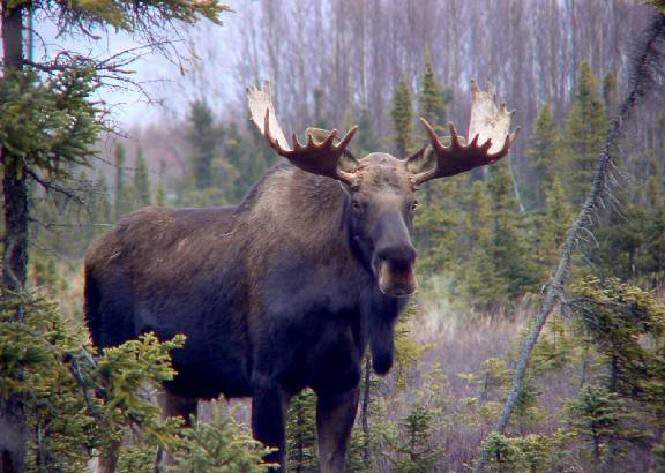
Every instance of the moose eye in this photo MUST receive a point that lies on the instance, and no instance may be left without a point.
(414, 205)
(356, 206)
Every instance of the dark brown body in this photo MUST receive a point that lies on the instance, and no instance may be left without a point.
(273, 296)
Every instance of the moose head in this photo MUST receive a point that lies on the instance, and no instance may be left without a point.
(380, 188)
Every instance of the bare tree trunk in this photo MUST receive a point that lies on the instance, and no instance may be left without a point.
(15, 257)
(642, 77)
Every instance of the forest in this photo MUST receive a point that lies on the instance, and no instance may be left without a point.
(561, 243)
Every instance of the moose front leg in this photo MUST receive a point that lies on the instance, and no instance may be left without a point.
(268, 413)
(335, 414)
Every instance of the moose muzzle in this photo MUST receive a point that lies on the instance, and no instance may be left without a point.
(394, 269)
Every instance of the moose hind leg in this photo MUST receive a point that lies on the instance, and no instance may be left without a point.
(268, 423)
(335, 414)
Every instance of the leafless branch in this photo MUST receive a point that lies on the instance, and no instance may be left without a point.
(77, 372)
(54, 186)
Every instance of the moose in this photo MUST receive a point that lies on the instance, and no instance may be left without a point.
(286, 290)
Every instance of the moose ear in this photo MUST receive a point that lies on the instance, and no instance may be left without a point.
(425, 159)
(421, 160)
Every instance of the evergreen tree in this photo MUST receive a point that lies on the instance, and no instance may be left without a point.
(417, 451)
(586, 125)
(160, 194)
(246, 157)
(597, 415)
(366, 141)
(611, 92)
(440, 214)
(302, 447)
(432, 103)
(141, 180)
(320, 120)
(552, 226)
(617, 317)
(544, 153)
(437, 226)
(102, 212)
(160, 190)
(510, 249)
(482, 283)
(402, 115)
(120, 205)
(204, 138)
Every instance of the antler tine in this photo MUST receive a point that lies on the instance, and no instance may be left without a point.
(474, 141)
(348, 137)
(486, 145)
(331, 137)
(295, 142)
(454, 137)
(430, 131)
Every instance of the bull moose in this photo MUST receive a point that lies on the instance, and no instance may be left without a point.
(286, 290)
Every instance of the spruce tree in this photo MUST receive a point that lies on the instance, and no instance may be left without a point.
(120, 204)
(366, 141)
(440, 215)
(402, 115)
(160, 189)
(482, 283)
(417, 452)
(432, 103)
(204, 138)
(301, 440)
(239, 154)
(597, 415)
(552, 226)
(510, 248)
(544, 153)
(141, 180)
(437, 225)
(160, 194)
(610, 93)
(320, 119)
(586, 125)
(103, 212)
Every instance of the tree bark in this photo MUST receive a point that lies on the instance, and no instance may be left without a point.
(15, 255)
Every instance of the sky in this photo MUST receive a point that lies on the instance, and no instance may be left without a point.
(162, 77)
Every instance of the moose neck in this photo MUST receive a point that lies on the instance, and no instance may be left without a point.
(304, 210)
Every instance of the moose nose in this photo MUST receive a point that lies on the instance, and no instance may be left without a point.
(398, 255)
(394, 270)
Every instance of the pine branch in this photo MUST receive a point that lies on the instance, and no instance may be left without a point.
(645, 76)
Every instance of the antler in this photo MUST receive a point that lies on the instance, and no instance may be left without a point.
(489, 124)
(320, 155)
